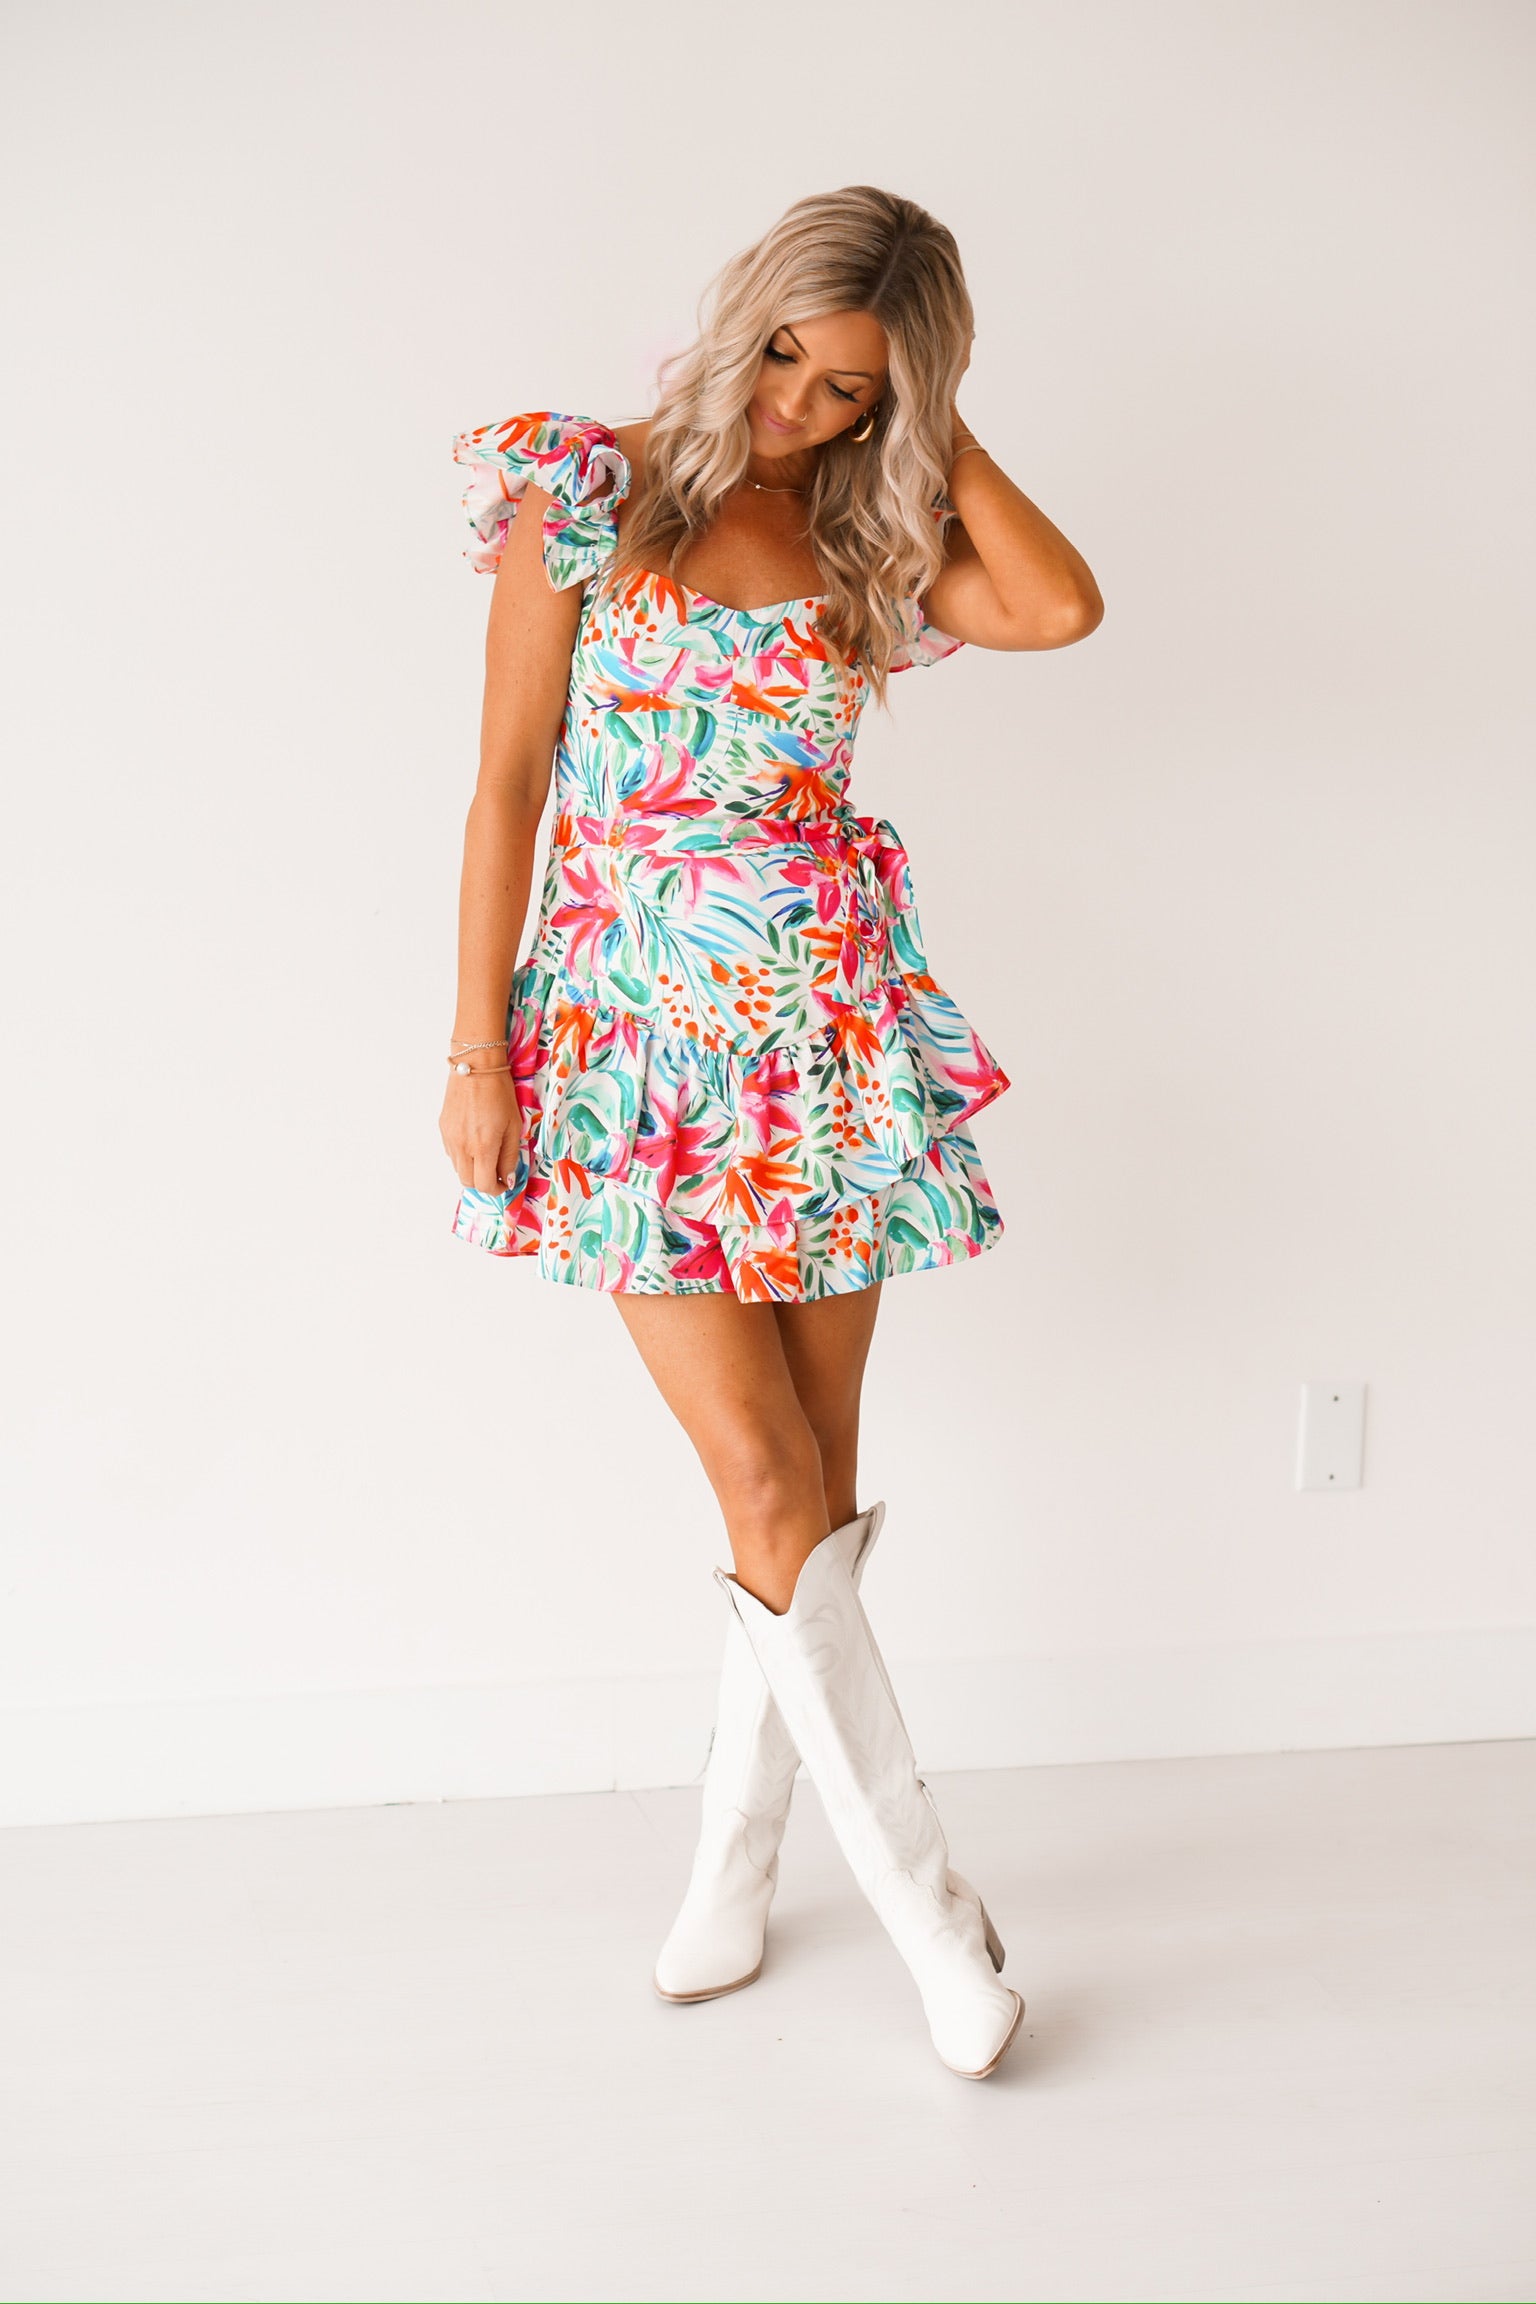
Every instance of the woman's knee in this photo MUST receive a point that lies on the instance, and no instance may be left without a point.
(763, 1477)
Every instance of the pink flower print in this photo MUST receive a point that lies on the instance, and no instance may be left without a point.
(590, 913)
(676, 1147)
(826, 875)
(758, 1087)
(694, 866)
(770, 1092)
(713, 678)
(707, 1263)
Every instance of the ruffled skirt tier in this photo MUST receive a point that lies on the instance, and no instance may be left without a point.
(703, 1144)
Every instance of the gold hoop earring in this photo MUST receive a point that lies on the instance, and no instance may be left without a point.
(869, 425)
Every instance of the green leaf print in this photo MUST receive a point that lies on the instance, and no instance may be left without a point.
(943, 1200)
(686, 951)
(908, 1098)
(597, 1118)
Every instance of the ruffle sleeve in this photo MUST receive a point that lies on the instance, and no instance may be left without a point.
(923, 642)
(576, 459)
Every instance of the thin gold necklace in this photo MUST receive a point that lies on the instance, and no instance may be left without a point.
(764, 490)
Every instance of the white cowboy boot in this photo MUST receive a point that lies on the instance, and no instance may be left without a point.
(716, 1941)
(821, 1663)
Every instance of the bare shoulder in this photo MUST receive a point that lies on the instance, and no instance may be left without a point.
(632, 439)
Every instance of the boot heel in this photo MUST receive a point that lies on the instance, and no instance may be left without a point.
(995, 1952)
(823, 1669)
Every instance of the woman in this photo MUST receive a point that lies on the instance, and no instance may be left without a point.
(723, 1086)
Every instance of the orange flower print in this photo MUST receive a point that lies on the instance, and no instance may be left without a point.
(735, 1069)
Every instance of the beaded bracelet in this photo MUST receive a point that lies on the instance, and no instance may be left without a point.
(457, 1055)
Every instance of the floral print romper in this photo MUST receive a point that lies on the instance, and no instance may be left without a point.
(734, 1069)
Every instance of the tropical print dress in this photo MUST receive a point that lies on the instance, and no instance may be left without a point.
(734, 1068)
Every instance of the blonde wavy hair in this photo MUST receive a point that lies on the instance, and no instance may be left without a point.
(877, 510)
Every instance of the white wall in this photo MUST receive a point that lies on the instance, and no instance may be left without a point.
(308, 1501)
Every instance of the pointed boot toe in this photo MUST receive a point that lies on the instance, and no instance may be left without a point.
(831, 1686)
(715, 1944)
(945, 1937)
(975, 2041)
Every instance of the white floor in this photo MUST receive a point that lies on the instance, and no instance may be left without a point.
(1281, 2044)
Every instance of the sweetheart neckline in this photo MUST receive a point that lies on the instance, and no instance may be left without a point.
(795, 600)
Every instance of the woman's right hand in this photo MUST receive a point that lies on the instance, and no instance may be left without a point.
(482, 1127)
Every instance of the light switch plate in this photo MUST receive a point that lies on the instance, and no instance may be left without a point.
(1331, 1449)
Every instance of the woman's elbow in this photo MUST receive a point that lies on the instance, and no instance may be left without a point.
(1069, 614)
(1079, 611)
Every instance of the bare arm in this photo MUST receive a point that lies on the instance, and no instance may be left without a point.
(1010, 578)
(528, 644)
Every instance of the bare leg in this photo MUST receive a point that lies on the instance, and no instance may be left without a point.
(826, 1344)
(723, 1369)
(728, 1372)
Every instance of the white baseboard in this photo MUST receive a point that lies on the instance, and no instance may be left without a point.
(364, 1747)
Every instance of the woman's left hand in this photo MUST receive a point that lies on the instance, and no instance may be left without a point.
(1010, 578)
